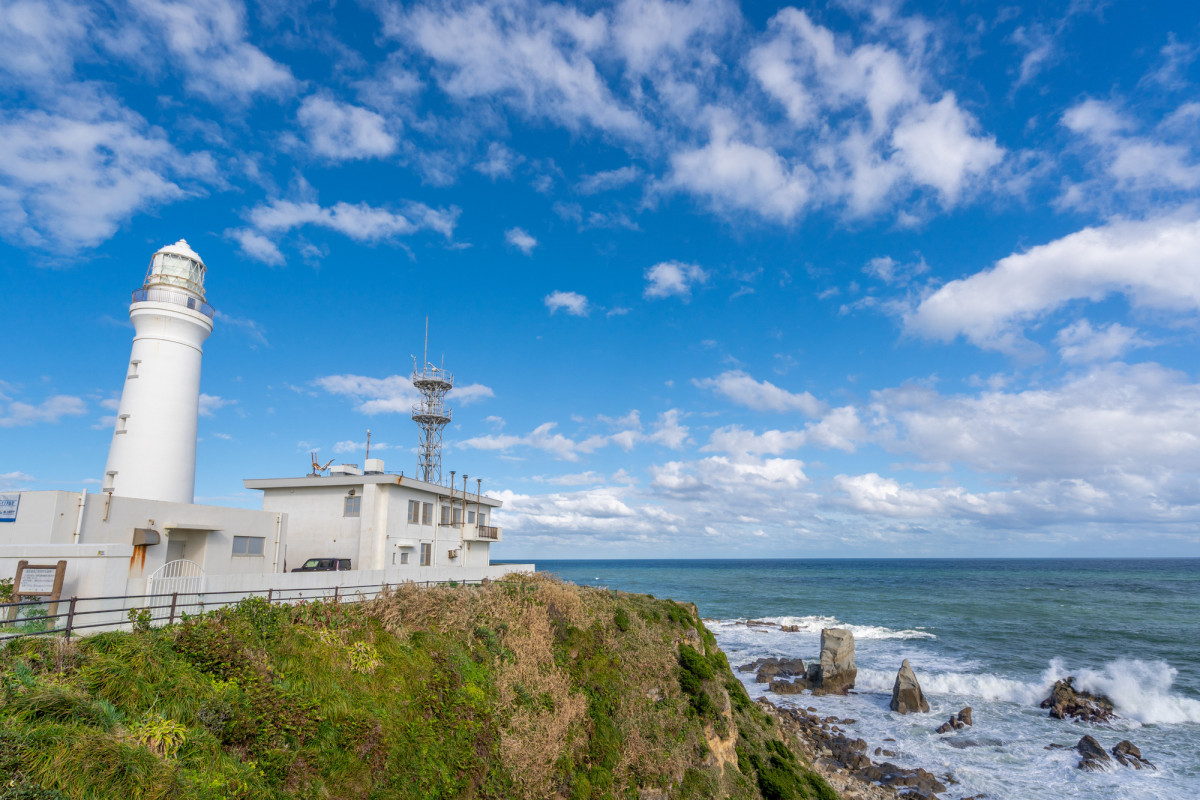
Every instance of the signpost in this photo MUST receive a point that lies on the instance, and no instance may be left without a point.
(8, 507)
(38, 580)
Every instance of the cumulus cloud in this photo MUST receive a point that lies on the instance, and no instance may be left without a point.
(571, 303)
(673, 279)
(394, 394)
(208, 40)
(361, 222)
(538, 59)
(73, 178)
(16, 414)
(742, 389)
(341, 132)
(1080, 342)
(210, 404)
(521, 240)
(1154, 263)
(1130, 161)
(738, 176)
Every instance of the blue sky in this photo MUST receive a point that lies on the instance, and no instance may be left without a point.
(857, 279)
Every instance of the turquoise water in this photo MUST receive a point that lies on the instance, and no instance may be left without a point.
(992, 634)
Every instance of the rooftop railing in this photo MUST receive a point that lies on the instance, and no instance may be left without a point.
(176, 298)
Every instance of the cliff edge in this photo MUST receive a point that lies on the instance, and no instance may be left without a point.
(527, 688)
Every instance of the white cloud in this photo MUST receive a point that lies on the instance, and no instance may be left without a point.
(208, 39)
(1109, 423)
(542, 438)
(257, 246)
(210, 404)
(340, 131)
(866, 127)
(521, 240)
(742, 389)
(52, 409)
(937, 144)
(75, 178)
(361, 222)
(40, 39)
(607, 180)
(673, 279)
(1080, 342)
(536, 58)
(499, 161)
(737, 176)
(572, 303)
(351, 446)
(394, 394)
(1136, 165)
(873, 494)
(647, 32)
(1153, 263)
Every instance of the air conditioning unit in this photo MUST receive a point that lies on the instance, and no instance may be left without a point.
(453, 554)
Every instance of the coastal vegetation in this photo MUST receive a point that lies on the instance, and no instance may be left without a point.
(527, 688)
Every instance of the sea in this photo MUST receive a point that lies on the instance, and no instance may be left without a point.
(990, 634)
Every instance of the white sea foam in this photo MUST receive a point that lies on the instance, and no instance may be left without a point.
(1140, 690)
(813, 624)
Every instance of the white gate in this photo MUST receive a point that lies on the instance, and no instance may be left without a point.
(182, 576)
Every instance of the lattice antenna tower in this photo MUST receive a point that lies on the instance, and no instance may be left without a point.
(431, 413)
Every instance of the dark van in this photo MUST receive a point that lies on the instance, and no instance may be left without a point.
(324, 565)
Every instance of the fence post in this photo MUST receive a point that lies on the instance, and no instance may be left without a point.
(270, 596)
(335, 594)
(70, 617)
(174, 600)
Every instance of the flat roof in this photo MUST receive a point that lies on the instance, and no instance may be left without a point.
(310, 482)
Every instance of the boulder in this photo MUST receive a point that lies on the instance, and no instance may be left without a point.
(771, 668)
(960, 720)
(907, 697)
(788, 687)
(790, 628)
(1094, 757)
(836, 672)
(1128, 754)
(1067, 702)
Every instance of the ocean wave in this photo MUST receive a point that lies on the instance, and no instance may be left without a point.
(814, 624)
(1140, 690)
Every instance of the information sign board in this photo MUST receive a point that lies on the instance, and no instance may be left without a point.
(8, 507)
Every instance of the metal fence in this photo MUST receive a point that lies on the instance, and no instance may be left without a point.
(93, 614)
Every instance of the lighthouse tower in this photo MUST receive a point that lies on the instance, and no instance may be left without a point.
(153, 451)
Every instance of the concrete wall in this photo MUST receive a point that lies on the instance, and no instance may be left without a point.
(380, 536)
(47, 522)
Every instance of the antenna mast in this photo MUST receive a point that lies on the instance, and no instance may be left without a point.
(430, 414)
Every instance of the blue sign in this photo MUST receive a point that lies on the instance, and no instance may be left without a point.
(8, 507)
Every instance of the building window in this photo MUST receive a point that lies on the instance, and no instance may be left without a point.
(457, 515)
(426, 554)
(414, 511)
(248, 545)
(352, 507)
(470, 517)
(445, 519)
(426, 513)
(404, 558)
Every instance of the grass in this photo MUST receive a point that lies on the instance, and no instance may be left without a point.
(523, 689)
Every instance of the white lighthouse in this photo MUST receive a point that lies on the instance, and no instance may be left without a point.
(153, 451)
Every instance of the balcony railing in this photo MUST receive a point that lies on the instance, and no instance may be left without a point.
(176, 298)
(489, 532)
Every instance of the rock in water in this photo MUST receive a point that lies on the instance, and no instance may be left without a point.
(1129, 755)
(907, 697)
(1067, 702)
(837, 671)
(1094, 757)
(961, 720)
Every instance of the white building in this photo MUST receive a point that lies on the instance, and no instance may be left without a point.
(380, 520)
(144, 527)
